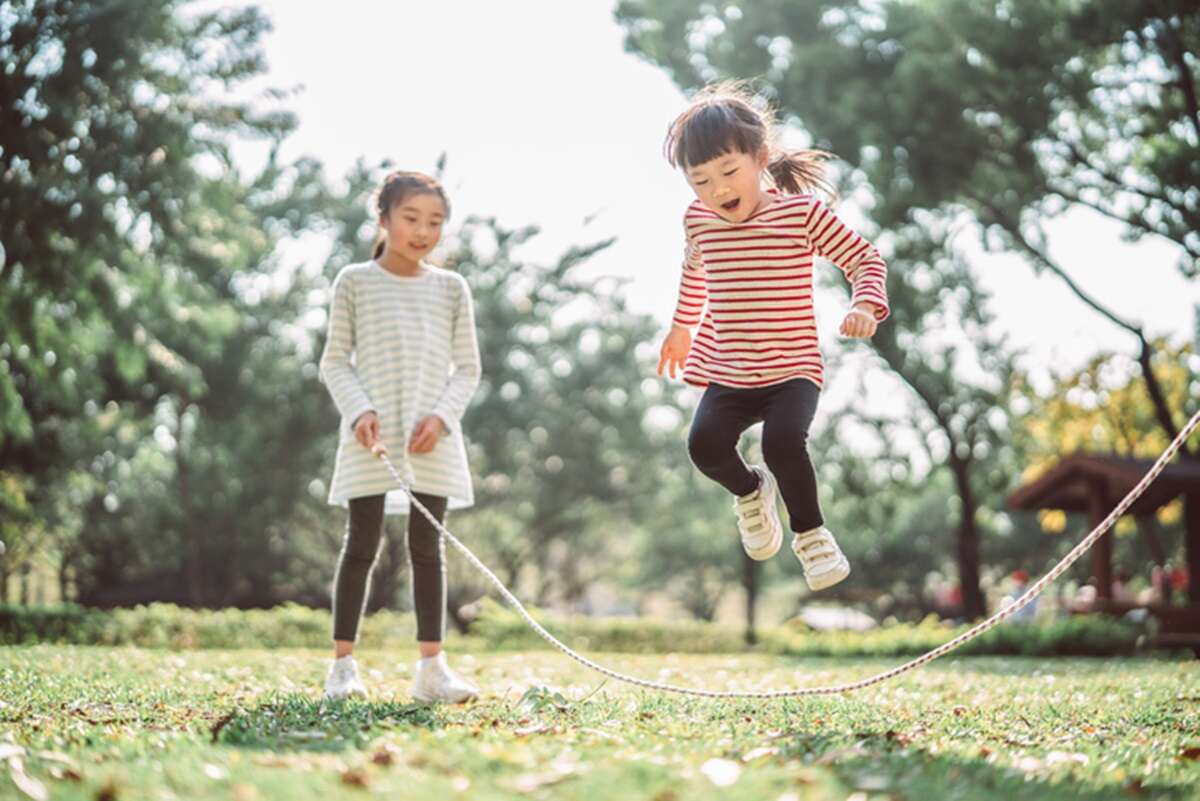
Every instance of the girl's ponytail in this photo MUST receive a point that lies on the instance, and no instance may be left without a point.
(800, 171)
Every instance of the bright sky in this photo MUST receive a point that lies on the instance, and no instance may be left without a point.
(547, 120)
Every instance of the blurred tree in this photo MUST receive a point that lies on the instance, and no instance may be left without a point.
(558, 429)
(112, 116)
(1102, 408)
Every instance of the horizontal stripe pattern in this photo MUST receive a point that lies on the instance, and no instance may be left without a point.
(403, 348)
(749, 288)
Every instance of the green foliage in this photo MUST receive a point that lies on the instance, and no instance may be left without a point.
(162, 625)
(502, 629)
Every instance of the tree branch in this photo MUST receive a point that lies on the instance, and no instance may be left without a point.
(1133, 222)
(1186, 82)
(1162, 412)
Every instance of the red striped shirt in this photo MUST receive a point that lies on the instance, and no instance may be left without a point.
(749, 287)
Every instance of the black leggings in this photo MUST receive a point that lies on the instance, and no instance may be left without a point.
(364, 534)
(786, 411)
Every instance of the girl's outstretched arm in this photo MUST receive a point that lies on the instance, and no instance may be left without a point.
(336, 371)
(464, 353)
(689, 308)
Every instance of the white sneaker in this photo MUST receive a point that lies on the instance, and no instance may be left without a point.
(823, 561)
(435, 681)
(758, 519)
(343, 680)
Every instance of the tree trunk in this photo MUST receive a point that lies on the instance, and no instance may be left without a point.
(750, 582)
(974, 605)
(193, 569)
(25, 571)
(1191, 543)
(64, 581)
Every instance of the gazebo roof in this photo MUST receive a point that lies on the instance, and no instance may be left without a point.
(1068, 484)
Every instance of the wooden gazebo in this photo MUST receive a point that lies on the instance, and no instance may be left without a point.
(1093, 484)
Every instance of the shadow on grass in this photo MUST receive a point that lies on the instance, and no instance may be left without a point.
(881, 763)
(300, 723)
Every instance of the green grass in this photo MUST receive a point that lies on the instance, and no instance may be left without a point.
(126, 723)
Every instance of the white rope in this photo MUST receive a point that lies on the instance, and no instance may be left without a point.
(941, 650)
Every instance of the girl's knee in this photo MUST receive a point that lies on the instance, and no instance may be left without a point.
(706, 446)
(782, 451)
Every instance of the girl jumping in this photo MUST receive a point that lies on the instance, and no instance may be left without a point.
(401, 362)
(752, 235)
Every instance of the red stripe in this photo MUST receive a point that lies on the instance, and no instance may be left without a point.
(751, 260)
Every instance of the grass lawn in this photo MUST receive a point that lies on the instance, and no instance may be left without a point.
(124, 723)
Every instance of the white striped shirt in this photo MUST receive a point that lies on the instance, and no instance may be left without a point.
(750, 287)
(403, 347)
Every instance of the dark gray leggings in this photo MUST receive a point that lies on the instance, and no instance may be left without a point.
(786, 411)
(364, 535)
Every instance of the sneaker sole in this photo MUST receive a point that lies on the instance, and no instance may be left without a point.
(769, 550)
(836, 575)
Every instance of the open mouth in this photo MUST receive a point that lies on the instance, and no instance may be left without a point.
(732, 204)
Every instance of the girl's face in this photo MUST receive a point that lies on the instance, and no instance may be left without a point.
(731, 184)
(414, 225)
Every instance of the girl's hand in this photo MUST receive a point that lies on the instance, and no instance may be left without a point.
(366, 430)
(675, 349)
(426, 434)
(860, 321)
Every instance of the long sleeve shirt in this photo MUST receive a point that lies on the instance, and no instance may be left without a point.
(749, 286)
(403, 347)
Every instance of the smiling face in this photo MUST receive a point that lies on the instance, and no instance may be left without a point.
(413, 226)
(731, 184)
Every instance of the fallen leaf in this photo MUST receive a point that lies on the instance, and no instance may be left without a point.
(55, 756)
(386, 754)
(759, 753)
(355, 777)
(305, 735)
(528, 782)
(1191, 752)
(959, 711)
(1057, 757)
(24, 782)
(216, 772)
(244, 792)
(721, 772)
(65, 774)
